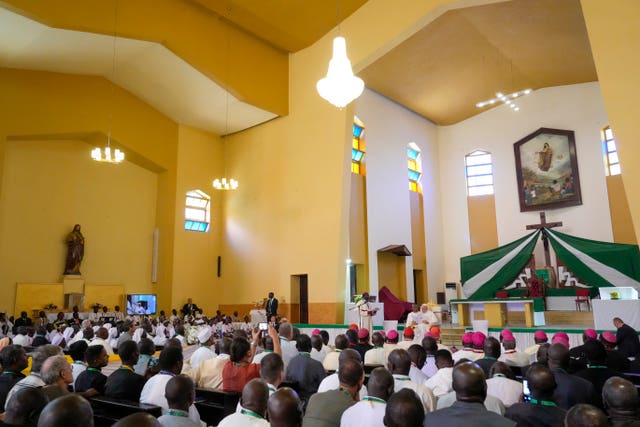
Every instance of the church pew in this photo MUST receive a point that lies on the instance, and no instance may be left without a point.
(213, 404)
(369, 368)
(107, 411)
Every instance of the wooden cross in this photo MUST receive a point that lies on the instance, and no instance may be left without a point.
(545, 241)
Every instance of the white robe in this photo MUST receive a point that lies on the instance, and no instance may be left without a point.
(153, 393)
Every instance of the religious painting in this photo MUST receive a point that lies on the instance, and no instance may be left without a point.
(547, 170)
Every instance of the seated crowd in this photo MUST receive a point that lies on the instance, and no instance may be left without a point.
(285, 378)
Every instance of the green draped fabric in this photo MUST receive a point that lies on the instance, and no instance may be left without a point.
(485, 273)
(583, 256)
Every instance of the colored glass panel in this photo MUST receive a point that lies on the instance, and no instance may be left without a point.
(357, 130)
(412, 154)
(356, 155)
(414, 175)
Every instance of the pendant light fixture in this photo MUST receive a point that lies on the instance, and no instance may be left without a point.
(106, 155)
(223, 183)
(340, 86)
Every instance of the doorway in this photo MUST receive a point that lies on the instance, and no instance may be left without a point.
(299, 298)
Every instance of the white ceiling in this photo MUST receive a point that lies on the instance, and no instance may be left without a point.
(146, 69)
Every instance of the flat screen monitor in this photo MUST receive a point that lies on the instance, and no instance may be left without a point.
(141, 304)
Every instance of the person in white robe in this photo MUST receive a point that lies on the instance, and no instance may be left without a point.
(205, 337)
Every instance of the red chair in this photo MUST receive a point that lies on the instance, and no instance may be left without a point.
(583, 297)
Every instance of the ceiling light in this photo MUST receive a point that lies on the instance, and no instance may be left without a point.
(507, 99)
(97, 153)
(223, 184)
(340, 86)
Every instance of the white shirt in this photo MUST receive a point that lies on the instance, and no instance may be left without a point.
(317, 355)
(515, 358)
(209, 373)
(505, 389)
(289, 350)
(32, 381)
(200, 355)
(332, 382)
(22, 340)
(388, 348)
(416, 375)
(492, 403)
(77, 367)
(100, 341)
(259, 356)
(330, 362)
(424, 393)
(153, 393)
(366, 413)
(464, 354)
(238, 419)
(414, 318)
(405, 344)
(441, 382)
(430, 368)
(375, 356)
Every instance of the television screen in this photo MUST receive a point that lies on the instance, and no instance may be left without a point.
(141, 304)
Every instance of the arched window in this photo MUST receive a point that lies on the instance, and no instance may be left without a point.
(415, 167)
(358, 147)
(479, 171)
(610, 152)
(197, 211)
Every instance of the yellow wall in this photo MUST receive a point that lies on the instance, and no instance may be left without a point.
(358, 220)
(31, 296)
(483, 229)
(117, 206)
(614, 35)
(107, 295)
(200, 159)
(621, 222)
(418, 245)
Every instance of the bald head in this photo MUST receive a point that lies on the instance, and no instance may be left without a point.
(399, 362)
(404, 409)
(67, 411)
(619, 394)
(469, 382)
(341, 342)
(139, 419)
(284, 409)
(255, 395)
(583, 415)
(558, 356)
(380, 384)
(348, 354)
(180, 392)
(541, 381)
(25, 406)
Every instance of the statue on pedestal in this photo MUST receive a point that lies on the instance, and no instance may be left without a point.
(75, 251)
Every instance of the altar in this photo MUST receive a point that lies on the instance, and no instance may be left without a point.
(496, 311)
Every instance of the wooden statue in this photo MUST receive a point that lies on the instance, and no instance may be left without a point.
(75, 251)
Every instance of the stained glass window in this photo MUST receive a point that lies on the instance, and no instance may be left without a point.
(610, 152)
(358, 147)
(197, 211)
(414, 167)
(479, 170)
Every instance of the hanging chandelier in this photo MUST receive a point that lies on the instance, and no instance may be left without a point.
(105, 155)
(224, 184)
(340, 86)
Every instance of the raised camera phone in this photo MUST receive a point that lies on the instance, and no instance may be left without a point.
(525, 390)
(263, 326)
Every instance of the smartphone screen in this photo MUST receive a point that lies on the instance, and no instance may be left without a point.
(263, 326)
(525, 390)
